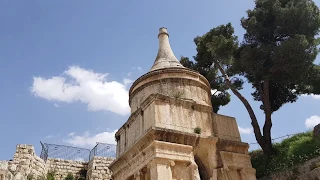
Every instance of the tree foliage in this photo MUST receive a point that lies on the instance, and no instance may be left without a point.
(280, 46)
(220, 96)
(223, 43)
(276, 57)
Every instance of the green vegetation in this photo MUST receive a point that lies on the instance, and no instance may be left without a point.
(50, 175)
(30, 177)
(197, 130)
(82, 174)
(289, 153)
(69, 177)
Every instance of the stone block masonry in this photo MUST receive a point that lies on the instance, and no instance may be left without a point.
(27, 164)
(62, 167)
(98, 168)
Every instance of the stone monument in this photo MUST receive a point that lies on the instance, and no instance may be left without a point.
(172, 133)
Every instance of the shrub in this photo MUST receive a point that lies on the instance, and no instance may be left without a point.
(50, 175)
(69, 177)
(289, 153)
(197, 130)
(30, 177)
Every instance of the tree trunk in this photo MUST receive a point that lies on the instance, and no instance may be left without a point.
(265, 97)
(262, 140)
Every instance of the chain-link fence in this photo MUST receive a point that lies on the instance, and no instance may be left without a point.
(103, 150)
(56, 151)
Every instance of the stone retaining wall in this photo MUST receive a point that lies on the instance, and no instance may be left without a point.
(26, 163)
(61, 168)
(98, 168)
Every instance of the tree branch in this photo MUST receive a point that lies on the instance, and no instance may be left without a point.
(254, 121)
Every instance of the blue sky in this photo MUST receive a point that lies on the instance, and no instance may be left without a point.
(95, 49)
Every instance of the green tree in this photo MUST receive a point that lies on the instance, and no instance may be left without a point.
(225, 44)
(219, 96)
(276, 57)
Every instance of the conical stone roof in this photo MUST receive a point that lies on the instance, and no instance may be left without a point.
(165, 57)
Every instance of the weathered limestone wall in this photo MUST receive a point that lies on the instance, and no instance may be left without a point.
(63, 167)
(181, 83)
(98, 168)
(173, 89)
(310, 170)
(3, 169)
(137, 125)
(24, 163)
(226, 127)
(183, 115)
(165, 112)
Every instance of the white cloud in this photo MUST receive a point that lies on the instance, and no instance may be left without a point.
(81, 85)
(56, 105)
(245, 130)
(312, 121)
(127, 81)
(71, 134)
(87, 140)
(214, 91)
(313, 96)
(129, 74)
(137, 68)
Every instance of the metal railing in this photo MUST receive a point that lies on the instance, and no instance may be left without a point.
(56, 151)
(44, 152)
(64, 152)
(103, 150)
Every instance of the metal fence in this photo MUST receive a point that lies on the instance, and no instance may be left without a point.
(64, 152)
(103, 150)
(44, 151)
(256, 146)
(75, 153)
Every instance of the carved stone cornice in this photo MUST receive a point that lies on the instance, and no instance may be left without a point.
(170, 71)
(232, 146)
(164, 98)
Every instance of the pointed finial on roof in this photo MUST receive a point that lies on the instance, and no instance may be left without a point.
(165, 57)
